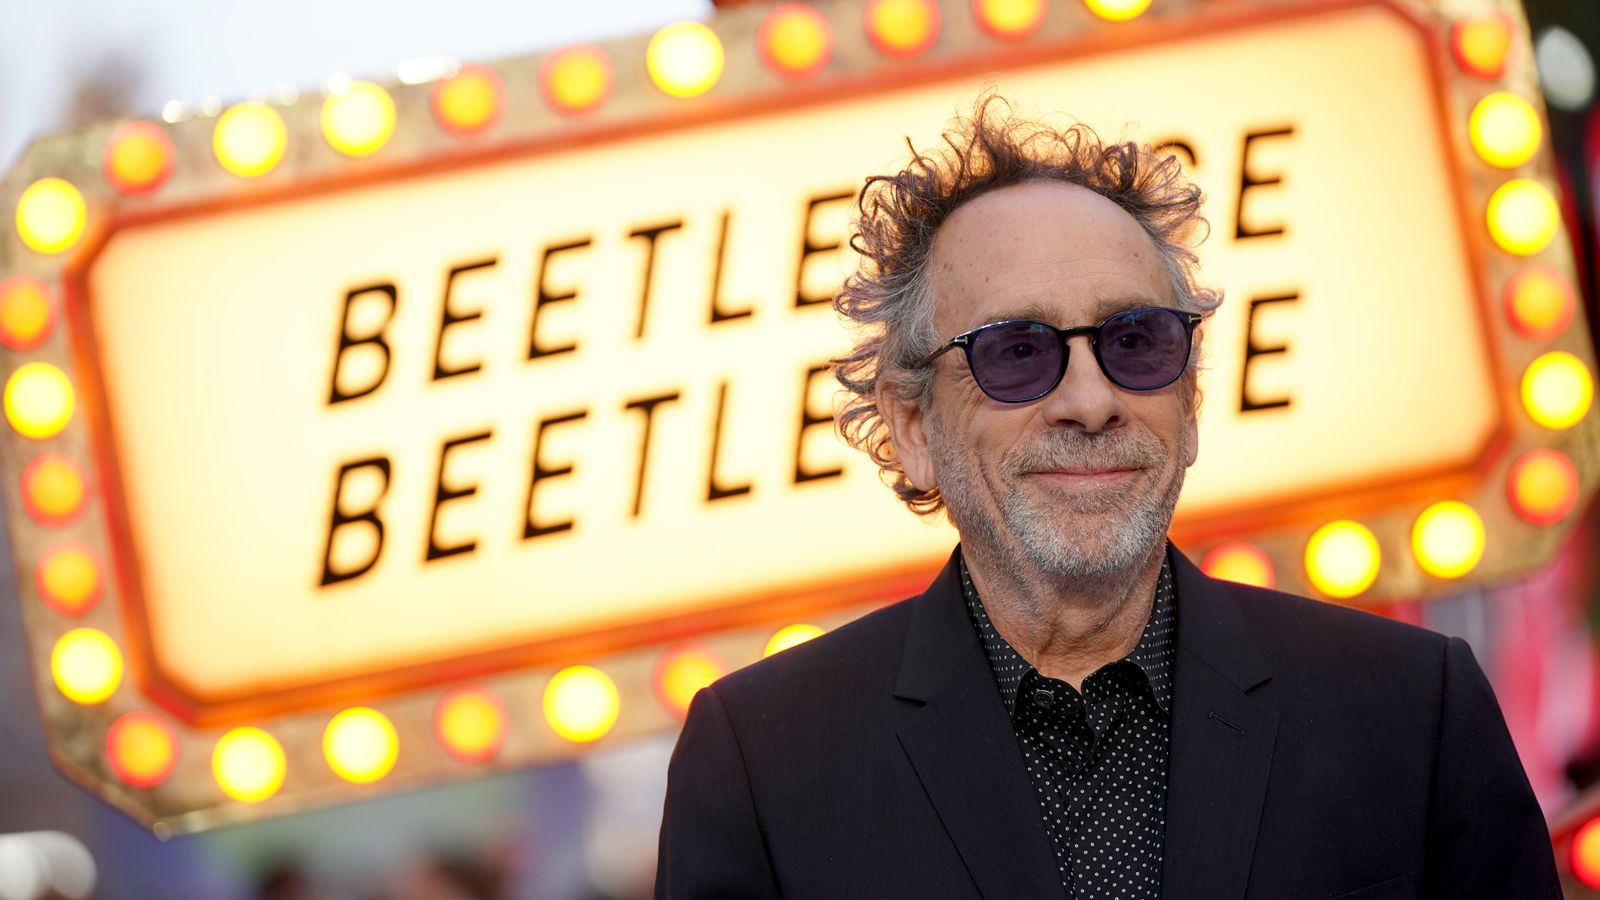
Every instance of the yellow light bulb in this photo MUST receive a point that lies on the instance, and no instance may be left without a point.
(38, 400)
(68, 579)
(53, 491)
(684, 59)
(86, 665)
(469, 101)
(683, 673)
(471, 723)
(1117, 10)
(25, 312)
(1342, 559)
(138, 158)
(903, 28)
(1448, 539)
(1239, 562)
(248, 764)
(576, 80)
(1505, 130)
(1540, 302)
(795, 40)
(141, 749)
(249, 139)
(1557, 390)
(1543, 486)
(1010, 19)
(51, 215)
(1523, 217)
(791, 636)
(359, 119)
(581, 703)
(1480, 44)
(360, 744)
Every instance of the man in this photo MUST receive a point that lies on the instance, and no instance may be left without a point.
(1072, 708)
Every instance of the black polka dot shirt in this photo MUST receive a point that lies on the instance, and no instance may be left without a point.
(1097, 760)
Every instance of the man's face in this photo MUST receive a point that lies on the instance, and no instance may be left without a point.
(1081, 482)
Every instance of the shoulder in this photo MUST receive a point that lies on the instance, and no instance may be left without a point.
(1322, 642)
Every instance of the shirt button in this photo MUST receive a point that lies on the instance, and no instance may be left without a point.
(1043, 698)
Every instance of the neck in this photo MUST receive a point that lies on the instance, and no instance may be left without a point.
(1066, 627)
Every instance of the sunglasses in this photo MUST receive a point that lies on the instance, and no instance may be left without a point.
(1020, 360)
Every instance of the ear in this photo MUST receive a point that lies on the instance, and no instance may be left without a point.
(908, 436)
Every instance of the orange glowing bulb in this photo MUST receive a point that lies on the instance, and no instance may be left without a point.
(38, 400)
(141, 749)
(684, 59)
(86, 665)
(1117, 10)
(682, 673)
(68, 579)
(1010, 19)
(795, 40)
(1586, 853)
(902, 28)
(361, 745)
(1523, 217)
(138, 158)
(576, 80)
(469, 101)
(249, 139)
(1239, 562)
(53, 490)
(248, 764)
(1481, 43)
(581, 703)
(1505, 130)
(471, 723)
(1342, 559)
(26, 315)
(1543, 486)
(1557, 390)
(1540, 303)
(51, 215)
(791, 636)
(1448, 539)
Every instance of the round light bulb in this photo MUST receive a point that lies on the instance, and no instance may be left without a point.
(581, 703)
(86, 665)
(51, 215)
(1448, 539)
(684, 59)
(1557, 390)
(1342, 559)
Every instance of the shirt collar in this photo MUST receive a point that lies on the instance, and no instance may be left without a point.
(1153, 654)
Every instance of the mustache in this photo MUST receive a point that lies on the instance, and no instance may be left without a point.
(1094, 451)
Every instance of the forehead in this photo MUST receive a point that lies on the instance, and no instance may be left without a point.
(1043, 249)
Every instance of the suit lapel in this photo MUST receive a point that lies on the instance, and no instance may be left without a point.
(965, 753)
(1222, 744)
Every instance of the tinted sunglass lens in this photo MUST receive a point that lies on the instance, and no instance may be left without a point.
(1016, 361)
(1144, 349)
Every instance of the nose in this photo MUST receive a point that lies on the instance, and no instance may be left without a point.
(1084, 400)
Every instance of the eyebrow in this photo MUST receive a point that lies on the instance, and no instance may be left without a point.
(1102, 309)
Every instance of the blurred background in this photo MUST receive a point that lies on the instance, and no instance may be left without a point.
(587, 829)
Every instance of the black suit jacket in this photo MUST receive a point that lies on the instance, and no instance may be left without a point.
(1316, 752)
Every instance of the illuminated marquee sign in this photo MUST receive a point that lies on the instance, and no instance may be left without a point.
(369, 439)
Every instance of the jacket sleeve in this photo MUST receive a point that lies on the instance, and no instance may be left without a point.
(1486, 834)
(711, 842)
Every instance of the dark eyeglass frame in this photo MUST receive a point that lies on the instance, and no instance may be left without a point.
(966, 339)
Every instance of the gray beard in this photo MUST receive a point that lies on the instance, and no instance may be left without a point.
(1132, 520)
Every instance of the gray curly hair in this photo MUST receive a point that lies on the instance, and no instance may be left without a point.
(889, 298)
